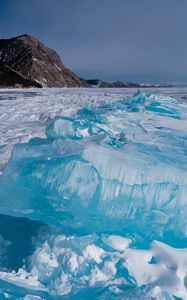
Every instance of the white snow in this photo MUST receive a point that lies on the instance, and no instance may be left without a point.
(93, 252)
(117, 242)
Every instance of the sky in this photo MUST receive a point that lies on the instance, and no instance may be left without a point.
(130, 40)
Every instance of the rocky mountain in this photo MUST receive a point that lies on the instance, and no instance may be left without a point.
(26, 62)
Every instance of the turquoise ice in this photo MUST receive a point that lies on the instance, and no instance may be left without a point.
(117, 168)
(114, 177)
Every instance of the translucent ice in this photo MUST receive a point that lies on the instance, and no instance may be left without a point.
(106, 183)
(119, 167)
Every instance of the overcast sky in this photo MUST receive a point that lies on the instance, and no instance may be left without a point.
(132, 40)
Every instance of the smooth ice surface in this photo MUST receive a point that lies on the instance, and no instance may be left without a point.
(99, 205)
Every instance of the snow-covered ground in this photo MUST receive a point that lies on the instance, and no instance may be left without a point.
(24, 112)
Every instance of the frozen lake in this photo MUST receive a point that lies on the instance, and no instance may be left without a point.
(95, 208)
(23, 112)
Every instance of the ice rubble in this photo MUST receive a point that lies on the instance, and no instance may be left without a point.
(93, 266)
(112, 180)
(32, 107)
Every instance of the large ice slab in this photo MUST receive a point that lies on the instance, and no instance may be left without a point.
(116, 168)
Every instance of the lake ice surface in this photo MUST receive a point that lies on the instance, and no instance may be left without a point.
(97, 210)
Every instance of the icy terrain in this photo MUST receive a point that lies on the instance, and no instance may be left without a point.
(23, 113)
(95, 206)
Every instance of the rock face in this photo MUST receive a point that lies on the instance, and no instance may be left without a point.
(11, 78)
(26, 62)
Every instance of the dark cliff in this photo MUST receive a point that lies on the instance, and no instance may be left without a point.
(26, 62)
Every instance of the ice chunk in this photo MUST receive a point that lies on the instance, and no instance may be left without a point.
(168, 271)
(64, 128)
(113, 169)
(117, 242)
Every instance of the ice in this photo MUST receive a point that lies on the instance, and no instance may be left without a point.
(168, 270)
(23, 112)
(117, 242)
(99, 205)
(72, 266)
(105, 169)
